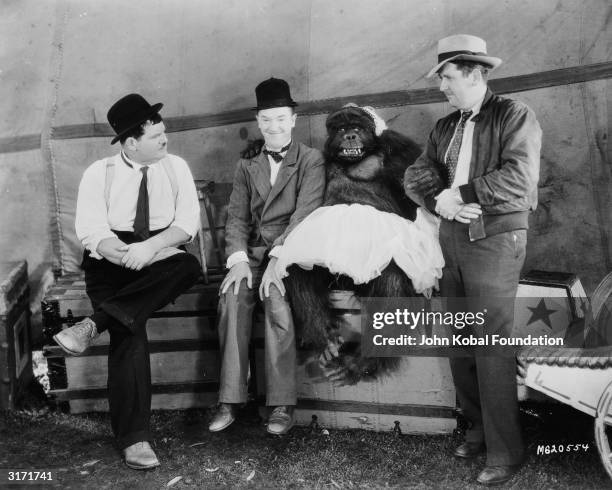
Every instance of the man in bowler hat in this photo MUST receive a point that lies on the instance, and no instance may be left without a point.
(272, 192)
(134, 210)
(486, 155)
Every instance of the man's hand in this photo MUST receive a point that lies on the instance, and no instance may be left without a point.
(137, 255)
(468, 212)
(270, 277)
(236, 274)
(449, 203)
(111, 250)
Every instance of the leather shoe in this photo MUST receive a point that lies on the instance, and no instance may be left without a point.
(140, 456)
(469, 450)
(495, 475)
(76, 339)
(223, 417)
(281, 420)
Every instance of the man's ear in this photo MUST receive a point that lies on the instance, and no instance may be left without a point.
(476, 76)
(131, 144)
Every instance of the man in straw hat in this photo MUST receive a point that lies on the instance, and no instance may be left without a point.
(133, 210)
(487, 154)
(272, 192)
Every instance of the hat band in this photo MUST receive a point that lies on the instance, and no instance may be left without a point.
(450, 54)
(276, 103)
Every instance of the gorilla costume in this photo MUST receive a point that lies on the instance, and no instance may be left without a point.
(367, 237)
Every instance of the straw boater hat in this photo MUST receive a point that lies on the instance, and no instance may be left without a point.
(463, 47)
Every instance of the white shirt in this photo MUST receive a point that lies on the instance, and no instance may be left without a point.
(274, 168)
(462, 172)
(241, 256)
(94, 222)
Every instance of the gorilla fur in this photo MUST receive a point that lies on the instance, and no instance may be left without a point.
(362, 168)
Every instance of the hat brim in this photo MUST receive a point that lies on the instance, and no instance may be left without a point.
(491, 61)
(274, 106)
(139, 119)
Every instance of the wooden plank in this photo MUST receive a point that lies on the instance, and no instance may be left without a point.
(157, 388)
(174, 401)
(177, 345)
(202, 301)
(165, 396)
(163, 330)
(379, 422)
(25, 142)
(519, 83)
(417, 381)
(166, 367)
(71, 288)
(363, 407)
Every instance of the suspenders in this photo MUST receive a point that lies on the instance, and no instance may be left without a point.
(167, 166)
(110, 174)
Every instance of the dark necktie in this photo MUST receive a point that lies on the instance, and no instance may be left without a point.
(141, 221)
(452, 156)
(277, 155)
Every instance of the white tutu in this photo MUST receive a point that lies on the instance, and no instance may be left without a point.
(359, 241)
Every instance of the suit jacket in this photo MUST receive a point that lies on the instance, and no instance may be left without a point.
(260, 216)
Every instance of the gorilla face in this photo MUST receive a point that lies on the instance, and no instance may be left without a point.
(350, 135)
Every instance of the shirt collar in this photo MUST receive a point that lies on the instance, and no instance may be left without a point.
(476, 107)
(131, 163)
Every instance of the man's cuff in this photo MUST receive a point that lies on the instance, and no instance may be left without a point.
(189, 230)
(468, 193)
(236, 257)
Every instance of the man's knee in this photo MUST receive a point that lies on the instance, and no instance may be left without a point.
(186, 265)
(275, 297)
(230, 297)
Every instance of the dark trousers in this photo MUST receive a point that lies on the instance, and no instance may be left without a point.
(486, 381)
(123, 300)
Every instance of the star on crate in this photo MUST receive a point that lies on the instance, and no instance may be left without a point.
(540, 312)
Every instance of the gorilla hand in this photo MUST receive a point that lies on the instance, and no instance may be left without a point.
(422, 181)
(252, 149)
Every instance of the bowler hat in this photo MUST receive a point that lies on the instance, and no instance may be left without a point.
(463, 47)
(273, 92)
(129, 112)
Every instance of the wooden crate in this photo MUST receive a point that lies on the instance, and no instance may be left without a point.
(549, 303)
(15, 348)
(418, 398)
(182, 340)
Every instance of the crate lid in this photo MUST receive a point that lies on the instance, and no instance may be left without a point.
(14, 277)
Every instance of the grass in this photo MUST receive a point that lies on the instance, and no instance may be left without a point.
(79, 450)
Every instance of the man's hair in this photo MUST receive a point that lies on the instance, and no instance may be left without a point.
(137, 131)
(467, 67)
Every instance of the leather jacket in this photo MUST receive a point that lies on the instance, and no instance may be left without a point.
(505, 163)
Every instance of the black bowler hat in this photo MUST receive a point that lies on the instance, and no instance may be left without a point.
(129, 112)
(273, 92)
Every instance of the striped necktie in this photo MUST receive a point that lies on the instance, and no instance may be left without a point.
(452, 155)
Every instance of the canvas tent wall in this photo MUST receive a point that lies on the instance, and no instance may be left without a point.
(64, 62)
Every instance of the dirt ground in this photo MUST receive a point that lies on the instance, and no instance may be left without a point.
(79, 451)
